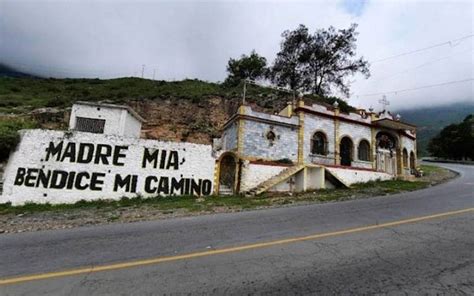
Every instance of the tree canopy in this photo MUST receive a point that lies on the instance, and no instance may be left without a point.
(251, 67)
(320, 62)
(455, 141)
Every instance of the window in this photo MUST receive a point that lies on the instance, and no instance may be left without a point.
(364, 150)
(319, 144)
(90, 125)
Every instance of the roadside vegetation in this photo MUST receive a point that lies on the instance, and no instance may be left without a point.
(9, 136)
(190, 204)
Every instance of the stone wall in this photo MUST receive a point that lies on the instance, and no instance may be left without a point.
(257, 145)
(229, 137)
(65, 167)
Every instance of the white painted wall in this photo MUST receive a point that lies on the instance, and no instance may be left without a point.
(350, 176)
(315, 178)
(254, 174)
(195, 161)
(118, 121)
(132, 126)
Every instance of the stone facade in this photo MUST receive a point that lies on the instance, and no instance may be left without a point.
(351, 141)
(257, 152)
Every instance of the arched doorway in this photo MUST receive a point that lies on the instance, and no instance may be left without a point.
(227, 174)
(386, 153)
(346, 148)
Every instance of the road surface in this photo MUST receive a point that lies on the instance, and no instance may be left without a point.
(416, 243)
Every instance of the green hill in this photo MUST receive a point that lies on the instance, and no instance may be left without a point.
(431, 120)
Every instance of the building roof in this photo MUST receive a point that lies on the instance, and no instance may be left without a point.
(106, 105)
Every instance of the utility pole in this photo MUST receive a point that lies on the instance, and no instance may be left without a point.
(154, 74)
(143, 70)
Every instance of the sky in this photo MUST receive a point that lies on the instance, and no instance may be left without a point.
(175, 40)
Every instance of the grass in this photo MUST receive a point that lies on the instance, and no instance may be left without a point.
(211, 203)
(431, 169)
(165, 204)
(20, 95)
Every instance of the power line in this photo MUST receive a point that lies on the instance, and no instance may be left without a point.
(415, 88)
(422, 65)
(449, 42)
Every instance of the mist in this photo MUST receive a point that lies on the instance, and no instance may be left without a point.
(180, 39)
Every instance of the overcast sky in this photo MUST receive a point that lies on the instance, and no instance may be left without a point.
(195, 39)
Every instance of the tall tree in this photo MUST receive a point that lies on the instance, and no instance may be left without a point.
(320, 62)
(289, 66)
(251, 66)
(331, 59)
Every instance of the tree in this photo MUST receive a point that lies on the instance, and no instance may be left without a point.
(455, 141)
(316, 63)
(331, 59)
(251, 67)
(289, 66)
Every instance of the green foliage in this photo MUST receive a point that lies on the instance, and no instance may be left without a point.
(250, 67)
(9, 136)
(319, 62)
(456, 141)
(37, 92)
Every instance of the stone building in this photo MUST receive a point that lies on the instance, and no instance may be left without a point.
(307, 147)
(304, 147)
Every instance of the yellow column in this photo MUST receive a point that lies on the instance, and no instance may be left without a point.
(373, 148)
(301, 134)
(337, 160)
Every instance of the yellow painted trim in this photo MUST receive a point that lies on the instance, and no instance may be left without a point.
(301, 138)
(217, 170)
(305, 178)
(158, 260)
(217, 173)
(373, 144)
(337, 159)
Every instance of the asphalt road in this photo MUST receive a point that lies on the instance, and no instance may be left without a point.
(333, 248)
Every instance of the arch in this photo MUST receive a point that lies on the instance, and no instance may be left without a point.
(364, 150)
(405, 158)
(386, 140)
(412, 160)
(228, 173)
(346, 150)
(319, 143)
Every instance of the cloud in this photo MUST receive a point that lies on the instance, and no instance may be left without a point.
(179, 40)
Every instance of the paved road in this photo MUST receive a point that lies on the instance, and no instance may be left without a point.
(429, 256)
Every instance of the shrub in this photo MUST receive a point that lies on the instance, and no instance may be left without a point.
(9, 136)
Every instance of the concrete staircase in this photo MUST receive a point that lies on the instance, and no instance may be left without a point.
(225, 190)
(267, 184)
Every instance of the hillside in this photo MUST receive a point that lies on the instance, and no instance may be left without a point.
(188, 110)
(431, 120)
(6, 71)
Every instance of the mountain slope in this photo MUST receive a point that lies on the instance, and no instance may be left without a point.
(431, 120)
